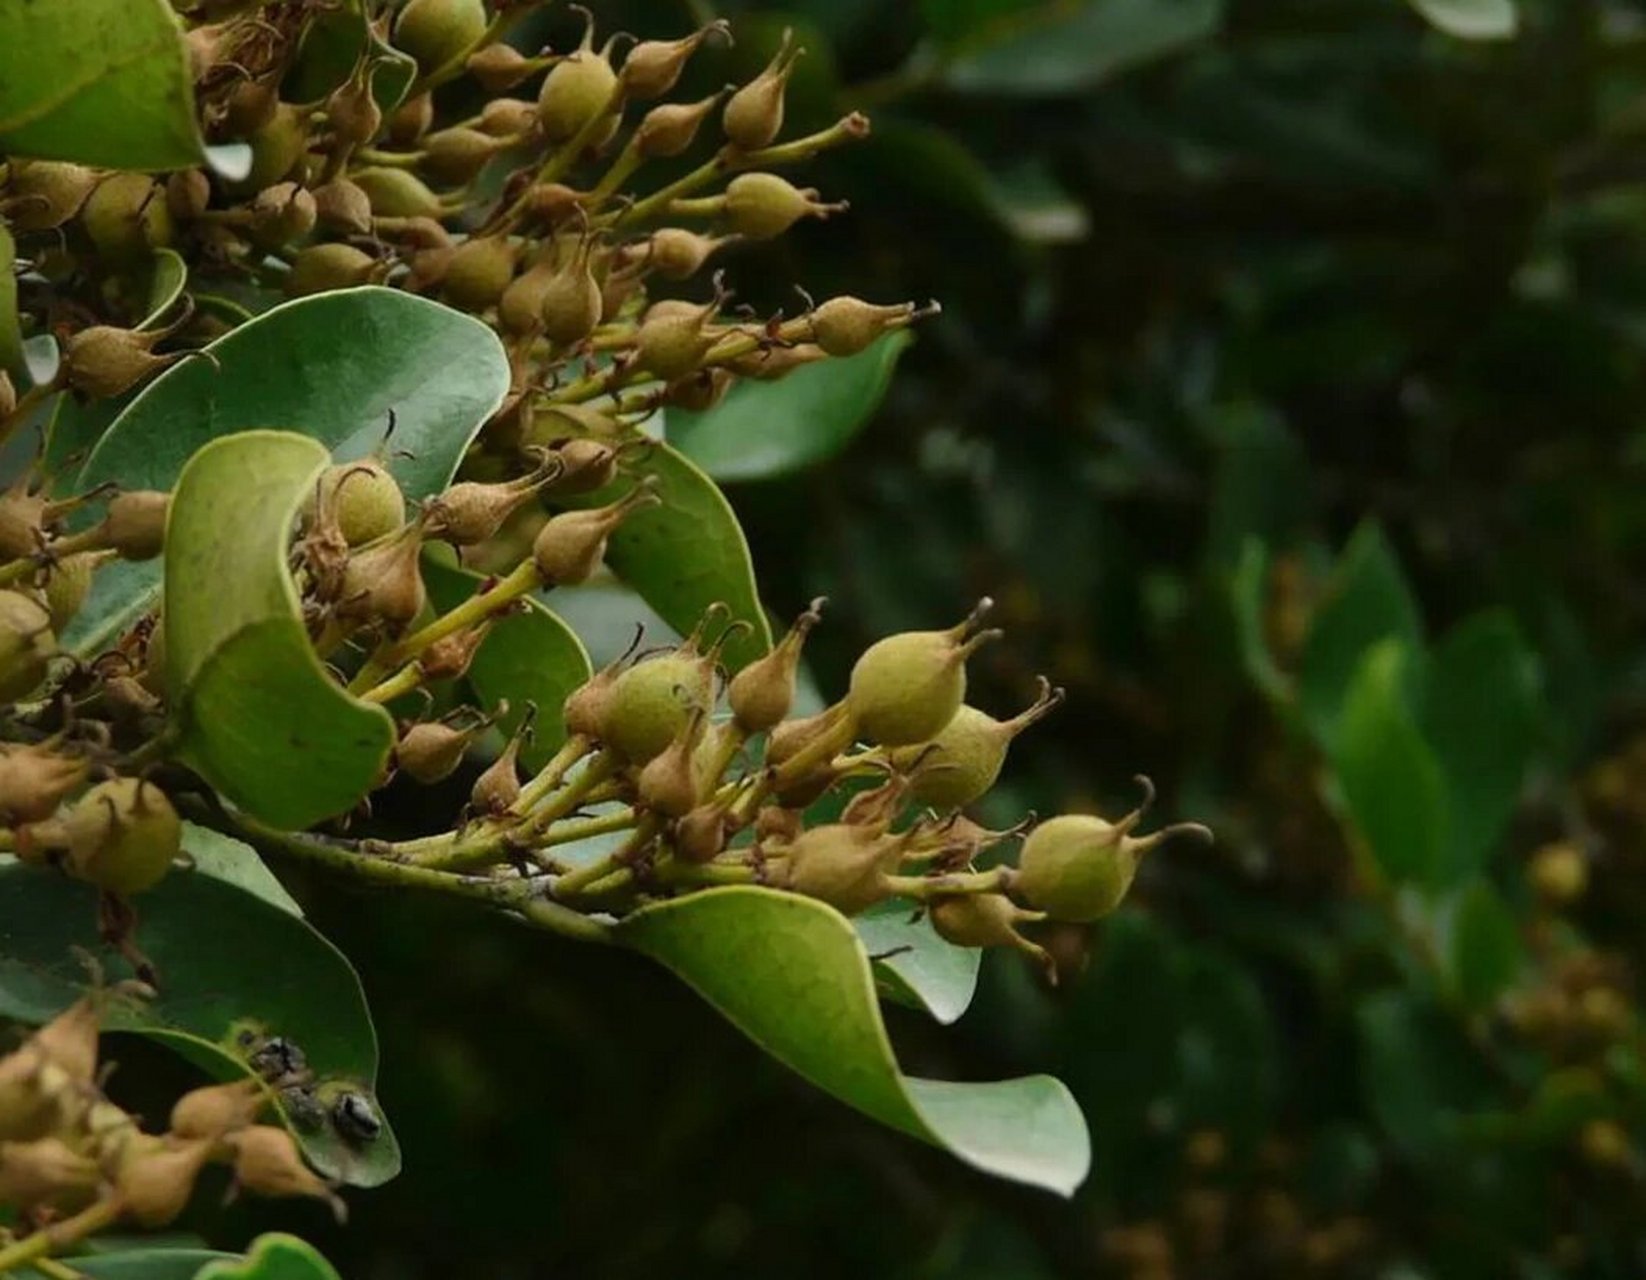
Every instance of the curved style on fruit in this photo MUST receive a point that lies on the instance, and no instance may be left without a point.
(1079, 867)
(960, 764)
(650, 704)
(842, 864)
(123, 836)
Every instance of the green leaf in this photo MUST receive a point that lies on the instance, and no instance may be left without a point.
(529, 657)
(1248, 587)
(332, 45)
(256, 712)
(1471, 19)
(334, 367)
(919, 968)
(792, 975)
(235, 862)
(73, 431)
(11, 329)
(273, 1257)
(1418, 1074)
(142, 1264)
(228, 961)
(688, 553)
(1390, 778)
(1057, 47)
(1261, 486)
(1366, 601)
(168, 277)
(766, 429)
(1481, 713)
(102, 82)
(1483, 952)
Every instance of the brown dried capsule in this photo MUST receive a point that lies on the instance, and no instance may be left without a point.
(508, 117)
(585, 465)
(497, 789)
(570, 302)
(843, 865)
(754, 115)
(571, 546)
(214, 1110)
(673, 343)
(341, 205)
(35, 780)
(470, 512)
(430, 752)
(134, 524)
(769, 363)
(282, 214)
(761, 694)
(103, 361)
(653, 66)
(499, 67)
(26, 645)
(667, 130)
(675, 253)
(188, 194)
(42, 194)
(156, 1178)
(668, 782)
(411, 119)
(352, 110)
(46, 1173)
(267, 1163)
(382, 584)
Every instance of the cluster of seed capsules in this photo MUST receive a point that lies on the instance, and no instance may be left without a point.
(480, 212)
(519, 215)
(72, 1162)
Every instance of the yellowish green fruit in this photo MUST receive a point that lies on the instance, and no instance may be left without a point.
(907, 687)
(651, 704)
(123, 836)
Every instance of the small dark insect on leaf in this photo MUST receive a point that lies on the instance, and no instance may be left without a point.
(355, 1118)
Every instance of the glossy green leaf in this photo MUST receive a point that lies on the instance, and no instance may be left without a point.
(227, 961)
(168, 277)
(915, 967)
(1366, 600)
(1390, 778)
(256, 712)
(792, 975)
(526, 658)
(1056, 47)
(1248, 588)
(102, 82)
(11, 330)
(234, 862)
(1418, 1073)
(142, 1264)
(273, 1257)
(1481, 713)
(72, 433)
(688, 553)
(334, 367)
(1483, 952)
(1471, 19)
(765, 429)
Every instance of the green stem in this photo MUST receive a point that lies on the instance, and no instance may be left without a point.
(551, 775)
(400, 683)
(59, 1235)
(518, 896)
(573, 882)
(923, 888)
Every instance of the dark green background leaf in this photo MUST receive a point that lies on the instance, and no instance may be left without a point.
(226, 958)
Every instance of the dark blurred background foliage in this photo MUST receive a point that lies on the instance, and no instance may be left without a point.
(1289, 395)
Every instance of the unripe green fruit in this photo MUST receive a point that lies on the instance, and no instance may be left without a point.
(123, 835)
(520, 308)
(676, 253)
(499, 67)
(126, 218)
(395, 193)
(364, 500)
(68, 586)
(250, 107)
(754, 115)
(353, 113)
(1076, 867)
(761, 694)
(673, 345)
(843, 865)
(576, 92)
(651, 703)
(571, 303)
(971, 749)
(570, 546)
(42, 194)
(763, 206)
(478, 272)
(26, 645)
(435, 32)
(508, 117)
(987, 920)
(654, 66)
(276, 148)
(906, 688)
(323, 267)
